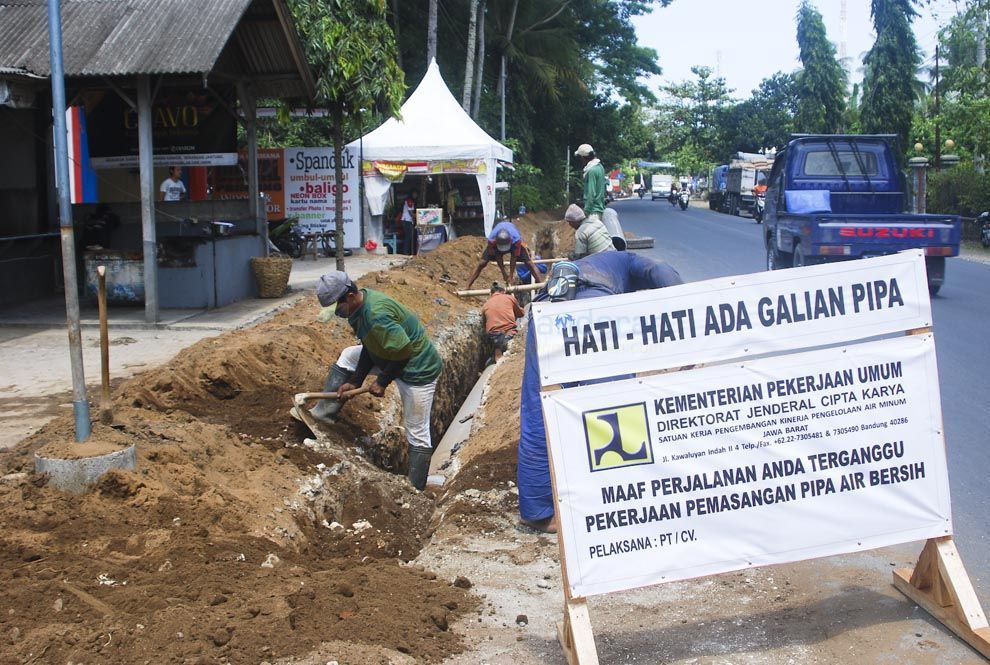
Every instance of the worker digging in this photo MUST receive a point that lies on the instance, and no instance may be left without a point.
(394, 342)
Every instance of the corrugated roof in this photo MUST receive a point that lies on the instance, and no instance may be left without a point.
(127, 37)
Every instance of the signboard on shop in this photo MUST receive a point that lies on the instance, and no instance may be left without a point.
(189, 128)
(310, 190)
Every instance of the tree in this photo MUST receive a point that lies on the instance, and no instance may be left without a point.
(352, 50)
(431, 32)
(765, 120)
(821, 84)
(889, 88)
(469, 60)
(689, 121)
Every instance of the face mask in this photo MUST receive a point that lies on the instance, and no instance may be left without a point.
(562, 283)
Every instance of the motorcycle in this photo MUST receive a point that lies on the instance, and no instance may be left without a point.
(759, 205)
(984, 220)
(283, 236)
(684, 198)
(673, 196)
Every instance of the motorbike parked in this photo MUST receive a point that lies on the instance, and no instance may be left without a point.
(282, 234)
(684, 199)
(984, 221)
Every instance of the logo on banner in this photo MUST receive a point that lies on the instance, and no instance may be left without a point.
(618, 437)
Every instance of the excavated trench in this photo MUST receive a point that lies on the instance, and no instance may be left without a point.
(249, 542)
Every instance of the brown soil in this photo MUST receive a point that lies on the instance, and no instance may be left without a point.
(235, 541)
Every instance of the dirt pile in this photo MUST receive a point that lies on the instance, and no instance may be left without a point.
(235, 541)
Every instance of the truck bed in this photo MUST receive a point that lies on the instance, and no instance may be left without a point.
(855, 235)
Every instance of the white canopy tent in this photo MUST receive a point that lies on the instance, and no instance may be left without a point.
(433, 129)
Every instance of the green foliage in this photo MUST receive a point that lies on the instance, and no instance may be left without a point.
(765, 120)
(688, 122)
(889, 88)
(821, 84)
(351, 48)
(959, 191)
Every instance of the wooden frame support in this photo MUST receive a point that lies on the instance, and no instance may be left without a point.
(939, 584)
(575, 634)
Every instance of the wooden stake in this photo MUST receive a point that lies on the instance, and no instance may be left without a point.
(106, 414)
(575, 634)
(939, 584)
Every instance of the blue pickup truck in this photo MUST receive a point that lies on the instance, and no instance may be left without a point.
(840, 197)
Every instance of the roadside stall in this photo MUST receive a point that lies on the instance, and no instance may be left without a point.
(146, 119)
(437, 155)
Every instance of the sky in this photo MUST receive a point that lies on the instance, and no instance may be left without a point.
(749, 40)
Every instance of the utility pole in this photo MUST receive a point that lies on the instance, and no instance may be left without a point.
(80, 403)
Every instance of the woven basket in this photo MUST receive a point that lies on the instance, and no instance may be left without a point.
(272, 274)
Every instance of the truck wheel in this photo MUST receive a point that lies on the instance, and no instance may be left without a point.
(936, 273)
(775, 260)
(734, 206)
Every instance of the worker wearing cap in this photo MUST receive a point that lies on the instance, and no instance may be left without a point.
(595, 276)
(590, 235)
(594, 182)
(505, 239)
(394, 341)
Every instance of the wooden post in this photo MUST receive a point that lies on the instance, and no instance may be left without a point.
(575, 634)
(939, 584)
(106, 415)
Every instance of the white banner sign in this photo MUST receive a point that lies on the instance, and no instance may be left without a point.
(310, 191)
(778, 459)
(731, 317)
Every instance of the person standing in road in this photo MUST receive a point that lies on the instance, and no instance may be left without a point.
(172, 187)
(594, 182)
(499, 314)
(395, 341)
(590, 235)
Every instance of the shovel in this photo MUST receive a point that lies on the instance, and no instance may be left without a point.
(306, 417)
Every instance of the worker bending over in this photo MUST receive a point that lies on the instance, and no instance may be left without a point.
(602, 274)
(499, 313)
(505, 239)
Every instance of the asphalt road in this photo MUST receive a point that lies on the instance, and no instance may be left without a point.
(702, 245)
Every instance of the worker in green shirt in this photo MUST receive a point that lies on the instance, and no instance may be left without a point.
(594, 182)
(394, 341)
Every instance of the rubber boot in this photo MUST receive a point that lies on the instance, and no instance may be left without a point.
(419, 466)
(326, 409)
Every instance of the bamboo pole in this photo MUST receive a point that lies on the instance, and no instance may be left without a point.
(509, 289)
(539, 261)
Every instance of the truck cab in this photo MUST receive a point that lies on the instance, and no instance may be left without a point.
(841, 197)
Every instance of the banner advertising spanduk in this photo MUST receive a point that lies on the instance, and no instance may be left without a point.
(310, 190)
(731, 317)
(767, 461)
